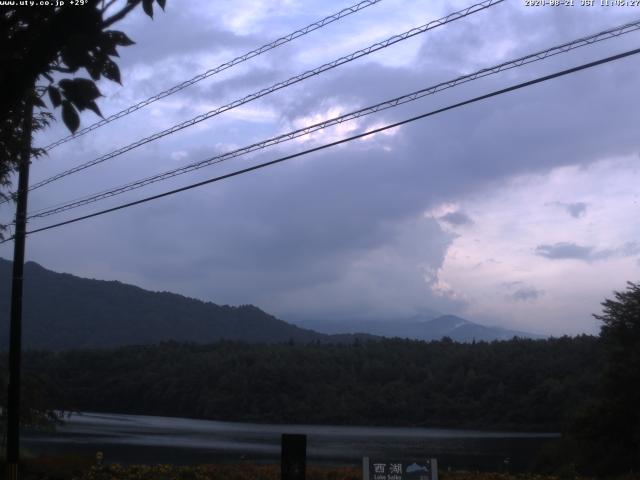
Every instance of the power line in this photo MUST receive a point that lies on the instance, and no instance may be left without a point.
(224, 66)
(277, 86)
(524, 60)
(344, 140)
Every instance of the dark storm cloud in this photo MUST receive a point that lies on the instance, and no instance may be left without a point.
(521, 292)
(568, 250)
(178, 33)
(247, 83)
(349, 222)
(629, 249)
(464, 149)
(565, 250)
(280, 231)
(456, 218)
(576, 210)
(526, 294)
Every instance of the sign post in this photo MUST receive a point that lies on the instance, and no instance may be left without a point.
(374, 469)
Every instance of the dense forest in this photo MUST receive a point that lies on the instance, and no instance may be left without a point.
(518, 384)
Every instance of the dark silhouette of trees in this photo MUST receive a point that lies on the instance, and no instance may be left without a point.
(37, 411)
(616, 424)
(604, 437)
(518, 384)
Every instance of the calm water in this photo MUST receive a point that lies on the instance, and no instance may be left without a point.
(145, 439)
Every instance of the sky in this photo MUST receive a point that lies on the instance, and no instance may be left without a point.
(518, 211)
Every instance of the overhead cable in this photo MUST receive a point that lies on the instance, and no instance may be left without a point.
(277, 86)
(342, 141)
(224, 66)
(524, 60)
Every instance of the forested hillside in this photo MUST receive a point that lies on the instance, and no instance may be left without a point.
(62, 311)
(519, 384)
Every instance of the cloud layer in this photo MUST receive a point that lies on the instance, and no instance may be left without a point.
(536, 186)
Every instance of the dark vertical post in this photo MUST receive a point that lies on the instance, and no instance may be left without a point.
(15, 329)
(293, 458)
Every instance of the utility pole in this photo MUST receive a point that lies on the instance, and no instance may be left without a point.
(15, 329)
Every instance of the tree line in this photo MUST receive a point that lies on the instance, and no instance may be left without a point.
(519, 384)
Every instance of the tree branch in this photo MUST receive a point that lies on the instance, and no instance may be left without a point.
(120, 15)
(61, 69)
(106, 7)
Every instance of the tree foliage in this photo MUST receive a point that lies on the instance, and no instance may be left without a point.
(36, 411)
(519, 384)
(42, 51)
(620, 335)
(608, 431)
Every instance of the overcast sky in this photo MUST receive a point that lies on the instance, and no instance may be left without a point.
(519, 211)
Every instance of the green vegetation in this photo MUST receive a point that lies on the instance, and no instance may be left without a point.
(80, 469)
(606, 432)
(520, 384)
(213, 472)
(39, 44)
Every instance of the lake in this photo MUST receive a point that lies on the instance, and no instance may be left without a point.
(147, 439)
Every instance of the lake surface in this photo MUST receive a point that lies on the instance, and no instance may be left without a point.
(147, 439)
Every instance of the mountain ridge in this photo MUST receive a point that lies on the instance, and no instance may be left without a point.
(423, 327)
(62, 311)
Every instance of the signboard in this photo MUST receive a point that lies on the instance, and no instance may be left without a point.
(374, 469)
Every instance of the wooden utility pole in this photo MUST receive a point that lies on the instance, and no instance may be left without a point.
(15, 328)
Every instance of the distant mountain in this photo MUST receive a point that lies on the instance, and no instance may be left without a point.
(423, 327)
(462, 330)
(62, 311)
